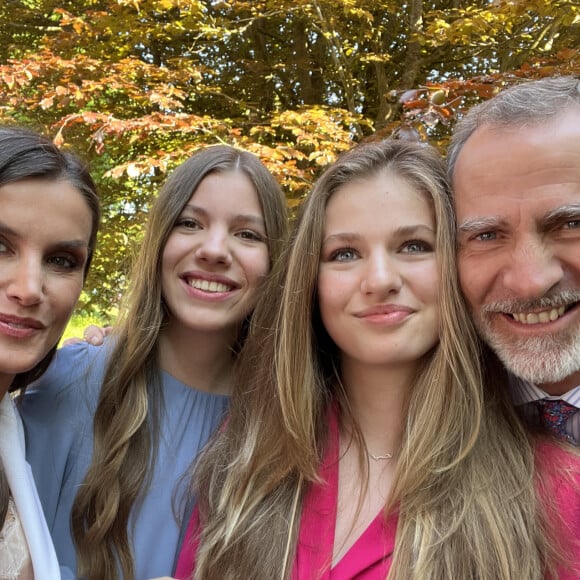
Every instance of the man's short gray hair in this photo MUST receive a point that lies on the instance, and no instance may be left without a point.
(530, 102)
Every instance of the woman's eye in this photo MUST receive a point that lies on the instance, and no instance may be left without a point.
(188, 223)
(64, 262)
(250, 235)
(343, 255)
(416, 247)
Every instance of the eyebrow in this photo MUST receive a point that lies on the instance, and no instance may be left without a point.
(77, 243)
(553, 218)
(404, 231)
(479, 224)
(71, 245)
(6, 230)
(247, 218)
(345, 237)
(401, 232)
(549, 221)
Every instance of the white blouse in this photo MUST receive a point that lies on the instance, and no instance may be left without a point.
(15, 562)
(27, 511)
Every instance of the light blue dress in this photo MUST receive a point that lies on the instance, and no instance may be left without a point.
(57, 412)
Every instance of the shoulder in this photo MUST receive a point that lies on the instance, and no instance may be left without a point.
(558, 482)
(71, 365)
(71, 382)
(558, 472)
(554, 460)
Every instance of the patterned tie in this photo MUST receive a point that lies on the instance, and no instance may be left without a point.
(553, 416)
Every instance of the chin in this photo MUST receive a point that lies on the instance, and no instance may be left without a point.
(14, 364)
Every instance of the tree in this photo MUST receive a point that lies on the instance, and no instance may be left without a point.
(137, 85)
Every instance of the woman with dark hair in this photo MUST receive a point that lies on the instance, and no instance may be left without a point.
(49, 216)
(125, 420)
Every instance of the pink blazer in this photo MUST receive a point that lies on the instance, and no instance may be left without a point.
(559, 487)
(368, 558)
(371, 555)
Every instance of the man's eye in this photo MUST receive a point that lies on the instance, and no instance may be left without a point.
(572, 224)
(486, 236)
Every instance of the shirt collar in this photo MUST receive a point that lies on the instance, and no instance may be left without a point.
(523, 392)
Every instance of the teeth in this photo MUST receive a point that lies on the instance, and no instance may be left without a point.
(539, 317)
(16, 325)
(208, 286)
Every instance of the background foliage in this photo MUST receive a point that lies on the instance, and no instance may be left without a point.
(135, 86)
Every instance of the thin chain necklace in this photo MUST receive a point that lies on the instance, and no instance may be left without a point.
(380, 457)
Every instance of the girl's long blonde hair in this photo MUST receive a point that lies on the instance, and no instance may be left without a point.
(464, 481)
(126, 420)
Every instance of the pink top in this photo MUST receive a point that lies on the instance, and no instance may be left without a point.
(370, 556)
(186, 561)
(559, 485)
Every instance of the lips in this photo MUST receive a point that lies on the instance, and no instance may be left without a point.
(19, 323)
(19, 328)
(384, 310)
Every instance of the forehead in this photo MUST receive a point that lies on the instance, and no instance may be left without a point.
(231, 190)
(531, 169)
(381, 201)
(39, 207)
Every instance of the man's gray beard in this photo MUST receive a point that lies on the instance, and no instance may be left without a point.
(538, 360)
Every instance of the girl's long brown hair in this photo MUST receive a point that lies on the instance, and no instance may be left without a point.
(126, 420)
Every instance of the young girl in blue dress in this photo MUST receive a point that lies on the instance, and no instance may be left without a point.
(115, 428)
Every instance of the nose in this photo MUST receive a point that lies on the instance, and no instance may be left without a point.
(382, 275)
(214, 247)
(25, 281)
(533, 270)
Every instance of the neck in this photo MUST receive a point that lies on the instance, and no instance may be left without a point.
(378, 397)
(562, 387)
(202, 360)
(5, 382)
